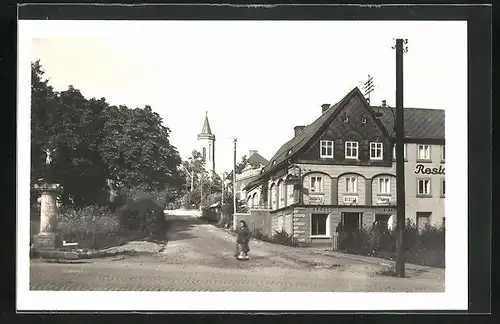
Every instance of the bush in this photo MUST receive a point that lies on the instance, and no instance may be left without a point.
(424, 247)
(91, 227)
(283, 238)
(143, 215)
(210, 215)
(278, 237)
(259, 235)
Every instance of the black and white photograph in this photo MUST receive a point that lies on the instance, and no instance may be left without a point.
(219, 161)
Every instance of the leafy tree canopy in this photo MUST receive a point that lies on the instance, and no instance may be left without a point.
(97, 145)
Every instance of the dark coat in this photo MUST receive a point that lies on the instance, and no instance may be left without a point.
(243, 236)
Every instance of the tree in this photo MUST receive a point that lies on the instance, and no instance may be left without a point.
(137, 150)
(241, 165)
(192, 168)
(65, 121)
(96, 143)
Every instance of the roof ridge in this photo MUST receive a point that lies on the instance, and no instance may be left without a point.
(414, 108)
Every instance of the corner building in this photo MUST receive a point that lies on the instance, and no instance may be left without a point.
(340, 169)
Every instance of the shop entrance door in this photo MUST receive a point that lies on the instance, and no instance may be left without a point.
(351, 222)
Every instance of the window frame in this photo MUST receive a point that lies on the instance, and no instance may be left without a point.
(422, 215)
(428, 157)
(388, 192)
(355, 185)
(313, 189)
(327, 226)
(273, 194)
(351, 157)
(281, 193)
(325, 142)
(376, 148)
(429, 194)
(394, 152)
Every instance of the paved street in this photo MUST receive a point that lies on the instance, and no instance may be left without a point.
(199, 257)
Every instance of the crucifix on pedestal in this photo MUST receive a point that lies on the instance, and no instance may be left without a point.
(47, 238)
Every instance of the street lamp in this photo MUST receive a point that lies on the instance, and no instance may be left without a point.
(296, 177)
(295, 172)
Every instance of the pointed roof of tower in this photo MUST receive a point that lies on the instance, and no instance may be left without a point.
(206, 125)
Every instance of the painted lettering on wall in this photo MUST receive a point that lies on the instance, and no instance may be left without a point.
(421, 169)
(321, 209)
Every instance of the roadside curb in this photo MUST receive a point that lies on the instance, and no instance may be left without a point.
(373, 260)
(82, 255)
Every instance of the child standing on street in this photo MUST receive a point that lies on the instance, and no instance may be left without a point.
(242, 239)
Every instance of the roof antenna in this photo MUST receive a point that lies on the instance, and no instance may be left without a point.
(368, 87)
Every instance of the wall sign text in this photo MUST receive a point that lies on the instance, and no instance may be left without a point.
(421, 169)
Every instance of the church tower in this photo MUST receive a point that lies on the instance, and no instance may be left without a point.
(206, 143)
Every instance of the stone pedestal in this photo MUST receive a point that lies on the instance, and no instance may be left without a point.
(47, 237)
(46, 241)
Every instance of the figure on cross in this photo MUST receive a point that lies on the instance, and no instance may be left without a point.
(48, 159)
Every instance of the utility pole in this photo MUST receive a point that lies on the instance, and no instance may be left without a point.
(201, 191)
(222, 183)
(400, 164)
(192, 180)
(234, 176)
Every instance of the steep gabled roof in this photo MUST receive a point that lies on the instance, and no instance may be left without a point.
(256, 159)
(298, 142)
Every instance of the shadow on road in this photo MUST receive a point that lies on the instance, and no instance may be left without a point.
(181, 228)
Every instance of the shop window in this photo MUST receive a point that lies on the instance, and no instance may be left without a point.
(319, 224)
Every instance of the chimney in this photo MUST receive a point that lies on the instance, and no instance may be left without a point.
(251, 152)
(298, 129)
(324, 107)
(384, 103)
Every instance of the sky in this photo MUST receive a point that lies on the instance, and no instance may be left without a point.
(257, 80)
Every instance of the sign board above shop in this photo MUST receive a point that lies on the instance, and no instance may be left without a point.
(316, 199)
(383, 200)
(350, 199)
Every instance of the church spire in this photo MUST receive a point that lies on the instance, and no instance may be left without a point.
(206, 125)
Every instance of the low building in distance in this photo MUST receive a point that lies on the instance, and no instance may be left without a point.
(254, 164)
